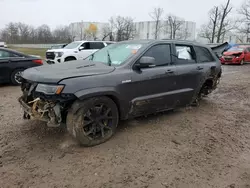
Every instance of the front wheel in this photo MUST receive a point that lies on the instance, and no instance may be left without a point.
(93, 121)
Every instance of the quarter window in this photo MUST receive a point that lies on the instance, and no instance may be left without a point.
(161, 53)
(203, 54)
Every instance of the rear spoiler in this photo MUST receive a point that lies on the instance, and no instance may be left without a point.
(218, 50)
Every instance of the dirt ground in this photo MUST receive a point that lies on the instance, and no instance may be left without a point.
(205, 146)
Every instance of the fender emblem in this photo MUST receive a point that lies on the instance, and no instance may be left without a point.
(126, 81)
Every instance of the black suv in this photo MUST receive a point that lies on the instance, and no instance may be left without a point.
(121, 81)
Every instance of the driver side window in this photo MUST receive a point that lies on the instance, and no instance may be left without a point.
(161, 53)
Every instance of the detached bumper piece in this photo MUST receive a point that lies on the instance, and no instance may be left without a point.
(42, 110)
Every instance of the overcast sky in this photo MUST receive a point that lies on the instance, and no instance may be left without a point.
(63, 12)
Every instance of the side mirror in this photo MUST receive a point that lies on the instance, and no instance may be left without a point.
(146, 62)
(81, 48)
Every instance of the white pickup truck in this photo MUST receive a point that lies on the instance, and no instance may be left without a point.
(3, 45)
(74, 51)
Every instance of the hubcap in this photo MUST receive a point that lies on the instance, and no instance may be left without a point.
(97, 121)
(17, 77)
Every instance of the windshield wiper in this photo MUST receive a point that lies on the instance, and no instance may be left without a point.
(109, 59)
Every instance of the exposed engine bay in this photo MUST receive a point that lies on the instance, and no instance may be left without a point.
(38, 106)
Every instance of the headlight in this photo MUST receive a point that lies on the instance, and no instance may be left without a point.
(59, 54)
(49, 89)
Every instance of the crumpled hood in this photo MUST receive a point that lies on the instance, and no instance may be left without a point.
(57, 72)
(232, 53)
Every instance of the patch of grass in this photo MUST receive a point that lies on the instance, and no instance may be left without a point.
(31, 51)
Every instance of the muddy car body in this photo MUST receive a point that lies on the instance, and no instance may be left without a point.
(121, 81)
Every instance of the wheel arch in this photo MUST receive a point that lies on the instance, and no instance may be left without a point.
(108, 92)
(70, 56)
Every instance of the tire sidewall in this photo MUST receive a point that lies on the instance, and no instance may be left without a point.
(74, 120)
(12, 76)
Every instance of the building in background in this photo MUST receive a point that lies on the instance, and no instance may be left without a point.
(143, 30)
(146, 30)
(87, 30)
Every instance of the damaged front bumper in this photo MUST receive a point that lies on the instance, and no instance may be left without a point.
(42, 110)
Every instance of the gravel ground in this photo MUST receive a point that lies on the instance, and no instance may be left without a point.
(205, 146)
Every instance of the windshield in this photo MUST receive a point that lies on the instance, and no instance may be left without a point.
(72, 45)
(237, 49)
(115, 54)
(57, 47)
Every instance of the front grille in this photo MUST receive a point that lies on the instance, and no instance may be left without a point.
(50, 55)
(228, 59)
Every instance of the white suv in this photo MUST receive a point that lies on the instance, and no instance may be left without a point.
(74, 51)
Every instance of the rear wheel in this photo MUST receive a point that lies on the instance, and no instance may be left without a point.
(15, 76)
(93, 121)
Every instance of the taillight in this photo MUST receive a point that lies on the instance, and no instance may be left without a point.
(38, 61)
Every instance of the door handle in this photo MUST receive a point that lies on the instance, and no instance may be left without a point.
(199, 68)
(213, 67)
(169, 71)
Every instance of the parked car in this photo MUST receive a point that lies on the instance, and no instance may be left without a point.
(12, 63)
(236, 55)
(3, 45)
(121, 81)
(58, 46)
(74, 51)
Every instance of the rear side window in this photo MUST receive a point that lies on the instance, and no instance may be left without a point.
(96, 45)
(161, 53)
(184, 52)
(203, 54)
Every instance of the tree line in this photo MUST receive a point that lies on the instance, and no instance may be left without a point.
(221, 21)
(118, 29)
(21, 33)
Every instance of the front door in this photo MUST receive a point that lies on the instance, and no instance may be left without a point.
(152, 89)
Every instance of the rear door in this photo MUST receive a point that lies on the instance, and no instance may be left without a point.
(206, 62)
(89, 48)
(4, 65)
(152, 89)
(189, 73)
(9, 61)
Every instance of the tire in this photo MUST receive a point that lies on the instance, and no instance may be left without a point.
(14, 76)
(69, 59)
(93, 121)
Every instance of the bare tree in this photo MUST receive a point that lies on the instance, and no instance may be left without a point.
(61, 34)
(225, 9)
(156, 15)
(244, 11)
(214, 19)
(219, 23)
(124, 28)
(107, 32)
(175, 25)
